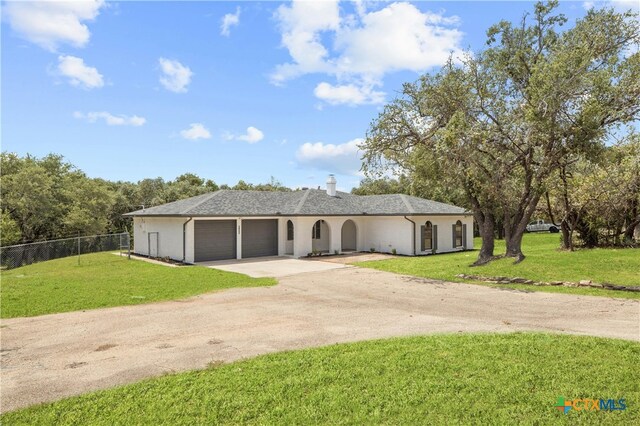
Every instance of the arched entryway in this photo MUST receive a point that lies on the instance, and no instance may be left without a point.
(349, 236)
(320, 237)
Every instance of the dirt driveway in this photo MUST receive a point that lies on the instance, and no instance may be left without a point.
(50, 357)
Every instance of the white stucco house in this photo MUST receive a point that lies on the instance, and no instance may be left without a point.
(230, 224)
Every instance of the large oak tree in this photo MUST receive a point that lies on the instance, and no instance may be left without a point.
(499, 123)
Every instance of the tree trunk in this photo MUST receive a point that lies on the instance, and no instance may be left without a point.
(567, 237)
(500, 227)
(486, 223)
(516, 225)
(629, 231)
(588, 234)
(549, 209)
(567, 241)
(514, 247)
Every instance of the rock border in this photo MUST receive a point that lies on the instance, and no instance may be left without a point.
(519, 280)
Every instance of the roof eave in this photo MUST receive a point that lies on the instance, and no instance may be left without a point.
(133, 214)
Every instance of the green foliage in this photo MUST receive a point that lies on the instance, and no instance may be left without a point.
(9, 230)
(273, 185)
(90, 200)
(544, 263)
(50, 198)
(104, 279)
(372, 186)
(418, 185)
(511, 378)
(599, 198)
(34, 195)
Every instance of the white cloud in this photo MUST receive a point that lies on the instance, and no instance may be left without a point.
(301, 25)
(78, 73)
(349, 94)
(398, 37)
(343, 158)
(253, 135)
(626, 5)
(110, 119)
(196, 131)
(365, 45)
(621, 5)
(175, 76)
(229, 20)
(52, 23)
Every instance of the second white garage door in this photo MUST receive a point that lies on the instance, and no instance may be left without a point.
(259, 237)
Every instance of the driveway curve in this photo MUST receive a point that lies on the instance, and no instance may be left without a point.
(54, 356)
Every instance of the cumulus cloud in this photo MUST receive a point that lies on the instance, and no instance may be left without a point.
(253, 135)
(301, 25)
(398, 37)
(52, 23)
(627, 4)
(196, 131)
(78, 73)
(175, 76)
(622, 5)
(349, 94)
(342, 158)
(366, 46)
(110, 119)
(229, 20)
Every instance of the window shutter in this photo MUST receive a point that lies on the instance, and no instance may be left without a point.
(435, 238)
(453, 235)
(422, 238)
(464, 236)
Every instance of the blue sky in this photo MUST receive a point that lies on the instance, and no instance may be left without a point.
(226, 90)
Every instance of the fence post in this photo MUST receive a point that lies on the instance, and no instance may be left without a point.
(128, 246)
(78, 248)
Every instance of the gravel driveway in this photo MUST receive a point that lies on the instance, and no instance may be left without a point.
(50, 357)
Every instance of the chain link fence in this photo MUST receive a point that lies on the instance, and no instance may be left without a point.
(26, 254)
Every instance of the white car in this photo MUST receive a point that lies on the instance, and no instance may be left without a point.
(540, 225)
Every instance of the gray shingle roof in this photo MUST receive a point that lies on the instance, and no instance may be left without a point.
(309, 202)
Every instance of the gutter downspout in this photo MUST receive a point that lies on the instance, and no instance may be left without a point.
(413, 235)
(184, 239)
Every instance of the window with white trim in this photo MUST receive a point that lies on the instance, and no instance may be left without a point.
(458, 235)
(289, 230)
(428, 236)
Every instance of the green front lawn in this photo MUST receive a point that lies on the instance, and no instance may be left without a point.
(443, 379)
(544, 262)
(102, 280)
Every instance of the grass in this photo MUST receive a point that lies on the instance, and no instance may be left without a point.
(544, 262)
(442, 379)
(102, 280)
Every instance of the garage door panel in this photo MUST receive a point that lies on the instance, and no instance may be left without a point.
(215, 240)
(259, 237)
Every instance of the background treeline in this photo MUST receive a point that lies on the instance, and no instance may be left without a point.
(595, 200)
(47, 198)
